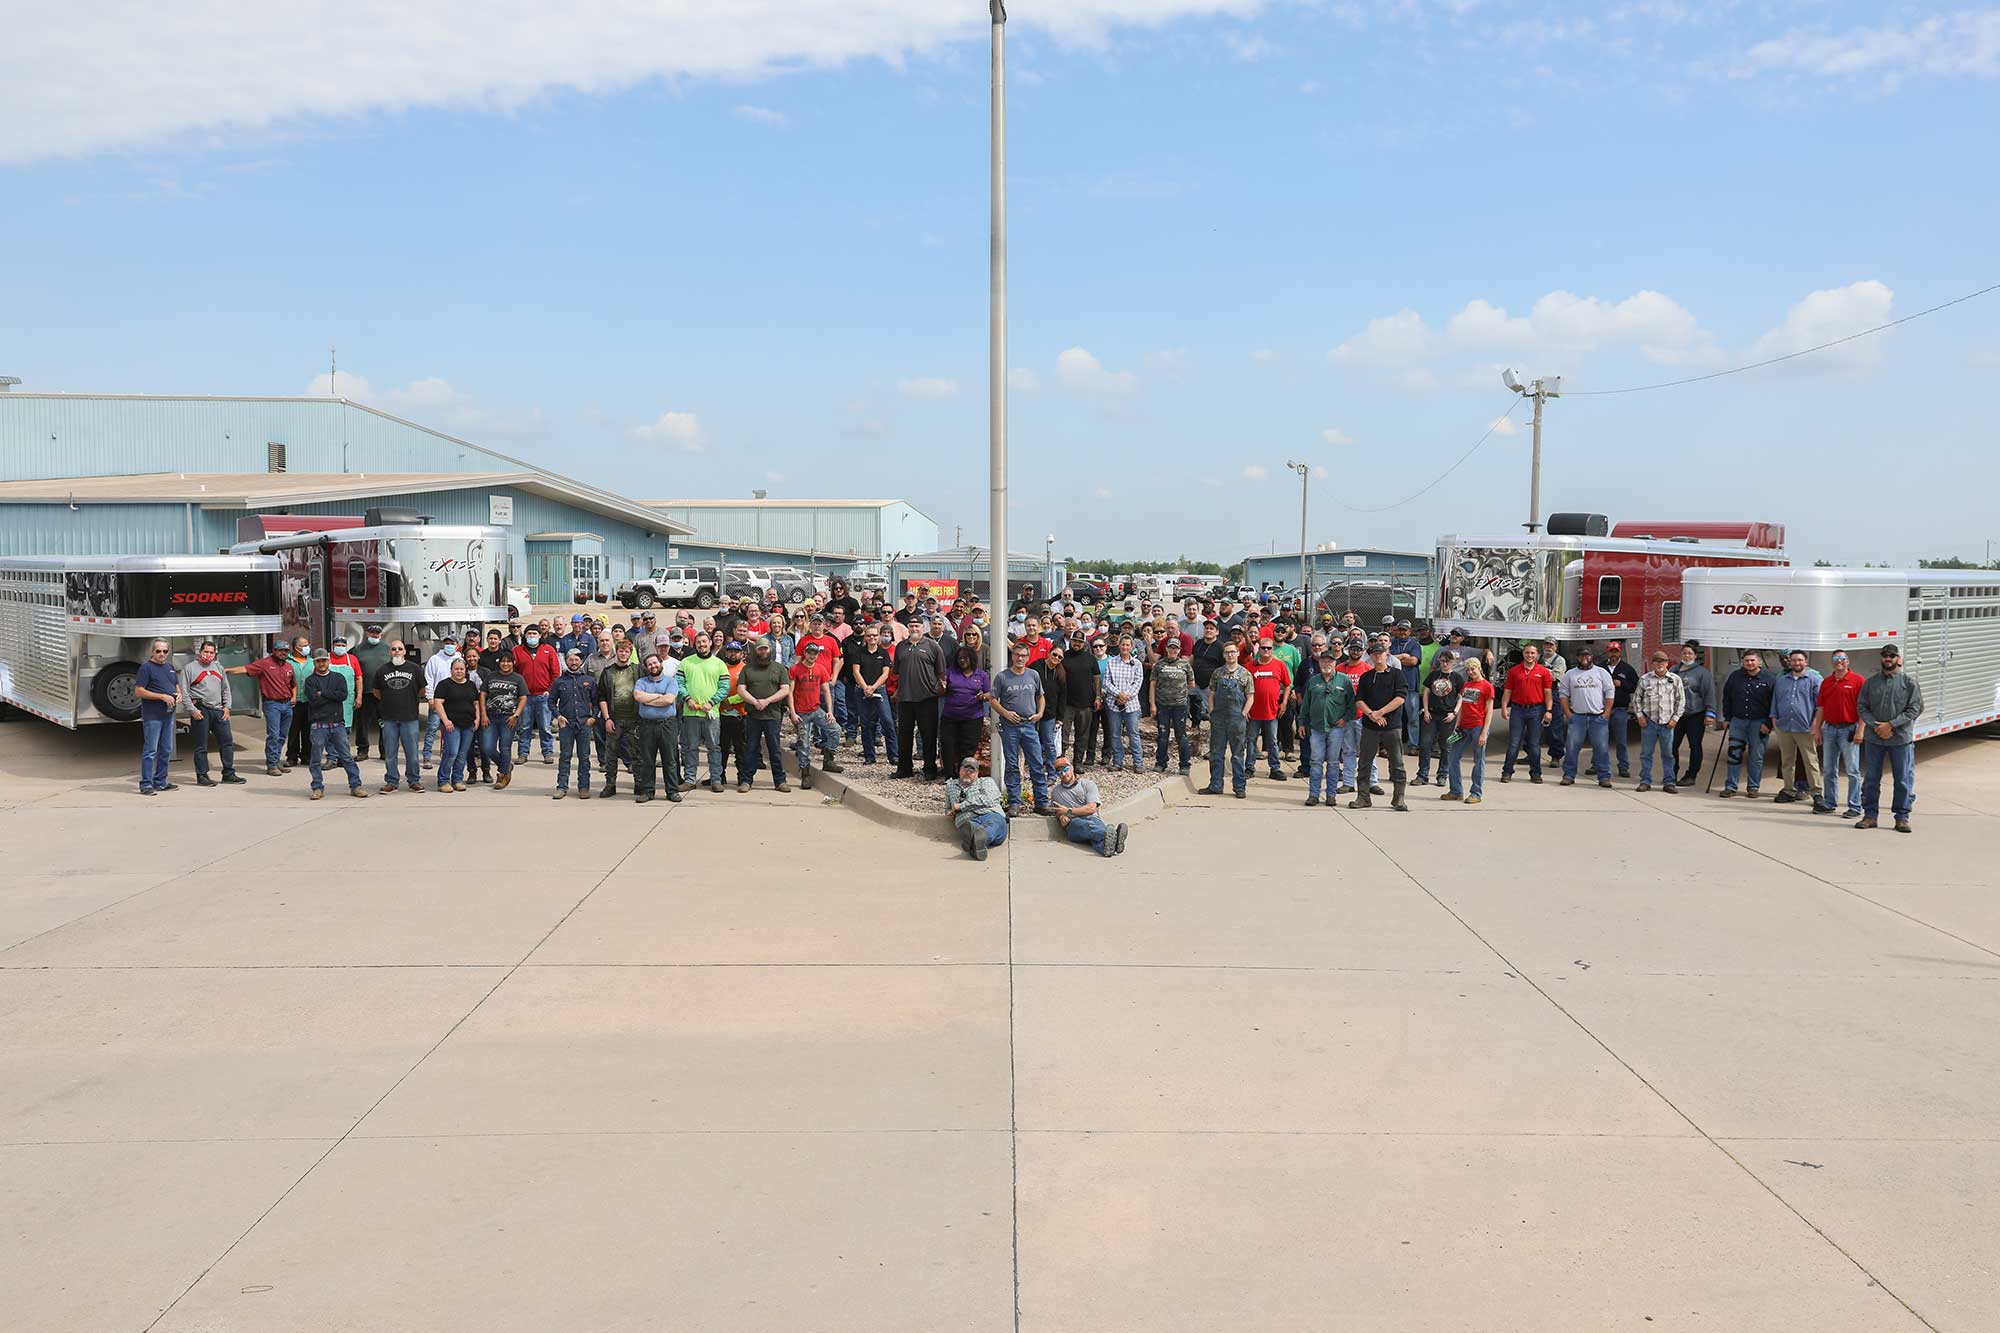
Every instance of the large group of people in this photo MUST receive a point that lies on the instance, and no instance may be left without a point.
(673, 697)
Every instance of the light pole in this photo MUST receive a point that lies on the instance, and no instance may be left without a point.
(1049, 565)
(1305, 484)
(997, 553)
(1539, 391)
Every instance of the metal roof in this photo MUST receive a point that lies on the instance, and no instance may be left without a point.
(1340, 550)
(248, 490)
(960, 555)
(751, 502)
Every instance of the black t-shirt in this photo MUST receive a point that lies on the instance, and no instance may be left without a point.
(906, 617)
(1080, 677)
(460, 699)
(489, 661)
(848, 604)
(503, 690)
(1207, 658)
(866, 665)
(1441, 691)
(1376, 689)
(1626, 678)
(401, 688)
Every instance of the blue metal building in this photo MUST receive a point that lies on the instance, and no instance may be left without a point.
(1415, 570)
(842, 536)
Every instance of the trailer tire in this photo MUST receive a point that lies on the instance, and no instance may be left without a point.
(645, 598)
(115, 691)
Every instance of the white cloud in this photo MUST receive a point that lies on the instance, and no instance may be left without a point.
(1249, 47)
(927, 386)
(118, 73)
(1505, 426)
(1417, 380)
(1335, 436)
(1825, 315)
(1023, 380)
(1256, 472)
(1264, 354)
(1170, 360)
(1984, 360)
(760, 115)
(430, 400)
(1391, 341)
(1563, 324)
(1321, 474)
(1078, 369)
(1961, 45)
(1210, 484)
(679, 430)
(1482, 324)
(1102, 492)
(774, 476)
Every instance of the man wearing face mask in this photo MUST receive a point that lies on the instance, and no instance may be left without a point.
(539, 664)
(396, 696)
(343, 663)
(371, 654)
(435, 670)
(207, 693)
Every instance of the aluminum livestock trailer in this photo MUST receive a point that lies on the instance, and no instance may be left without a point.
(1946, 621)
(74, 629)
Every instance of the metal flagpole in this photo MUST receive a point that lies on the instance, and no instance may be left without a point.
(996, 551)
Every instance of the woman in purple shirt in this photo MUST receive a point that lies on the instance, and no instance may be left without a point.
(967, 688)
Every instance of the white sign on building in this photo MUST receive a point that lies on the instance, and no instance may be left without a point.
(1354, 561)
(500, 510)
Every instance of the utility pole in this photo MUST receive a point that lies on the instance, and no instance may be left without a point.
(1540, 391)
(997, 352)
(1305, 484)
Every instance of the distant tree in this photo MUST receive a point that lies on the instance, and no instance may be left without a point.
(1953, 562)
(1823, 564)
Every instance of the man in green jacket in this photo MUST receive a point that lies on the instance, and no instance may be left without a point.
(1325, 712)
(1889, 707)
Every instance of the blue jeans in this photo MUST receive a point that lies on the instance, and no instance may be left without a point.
(537, 716)
(455, 747)
(1524, 724)
(400, 738)
(495, 739)
(1902, 762)
(697, 730)
(277, 725)
(1045, 731)
(1124, 736)
(1468, 742)
(571, 740)
(843, 708)
(1621, 727)
(1660, 735)
(1265, 730)
(1020, 740)
(1228, 734)
(1351, 756)
(767, 732)
(875, 717)
(1746, 747)
(995, 825)
(1591, 729)
(329, 742)
(1323, 751)
(1089, 829)
(815, 726)
(1413, 717)
(1172, 723)
(156, 751)
(1840, 752)
(433, 727)
(205, 720)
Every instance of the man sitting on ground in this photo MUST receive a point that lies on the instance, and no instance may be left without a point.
(1078, 808)
(974, 805)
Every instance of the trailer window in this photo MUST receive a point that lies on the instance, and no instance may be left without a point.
(1670, 622)
(1610, 594)
(357, 580)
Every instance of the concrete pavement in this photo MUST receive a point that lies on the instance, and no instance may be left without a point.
(1573, 1059)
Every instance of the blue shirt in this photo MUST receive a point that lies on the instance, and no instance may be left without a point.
(1794, 700)
(1412, 675)
(584, 642)
(157, 676)
(668, 684)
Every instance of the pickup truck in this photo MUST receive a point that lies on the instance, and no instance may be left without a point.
(673, 585)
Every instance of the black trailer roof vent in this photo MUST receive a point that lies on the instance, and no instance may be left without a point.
(384, 516)
(1579, 525)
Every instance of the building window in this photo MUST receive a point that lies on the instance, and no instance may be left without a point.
(1670, 622)
(1610, 595)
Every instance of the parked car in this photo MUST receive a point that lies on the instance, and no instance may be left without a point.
(1088, 590)
(791, 584)
(674, 585)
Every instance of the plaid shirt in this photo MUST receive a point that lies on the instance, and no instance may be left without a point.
(1123, 675)
(1659, 698)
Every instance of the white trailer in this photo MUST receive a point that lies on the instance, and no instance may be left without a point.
(74, 629)
(1947, 623)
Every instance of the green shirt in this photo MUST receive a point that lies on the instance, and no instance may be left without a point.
(1288, 653)
(1328, 702)
(704, 682)
(1425, 652)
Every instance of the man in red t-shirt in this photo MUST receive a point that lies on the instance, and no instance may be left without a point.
(1837, 731)
(811, 683)
(1525, 704)
(1270, 692)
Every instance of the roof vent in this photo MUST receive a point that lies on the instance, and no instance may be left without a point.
(1578, 525)
(274, 456)
(384, 516)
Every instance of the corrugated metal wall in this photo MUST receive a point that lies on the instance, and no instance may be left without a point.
(56, 529)
(837, 529)
(44, 436)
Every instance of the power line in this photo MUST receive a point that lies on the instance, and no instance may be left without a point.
(1759, 365)
(1462, 458)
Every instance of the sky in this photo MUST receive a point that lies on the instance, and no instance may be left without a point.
(696, 247)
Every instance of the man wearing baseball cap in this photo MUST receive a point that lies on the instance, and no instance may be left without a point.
(1889, 706)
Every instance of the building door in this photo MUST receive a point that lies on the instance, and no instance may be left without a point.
(586, 575)
(549, 573)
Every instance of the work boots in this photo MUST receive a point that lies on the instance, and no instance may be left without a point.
(829, 764)
(1396, 801)
(805, 772)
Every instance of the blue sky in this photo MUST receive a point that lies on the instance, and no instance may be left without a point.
(700, 248)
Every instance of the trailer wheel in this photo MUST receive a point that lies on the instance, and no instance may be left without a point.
(704, 599)
(645, 598)
(115, 691)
